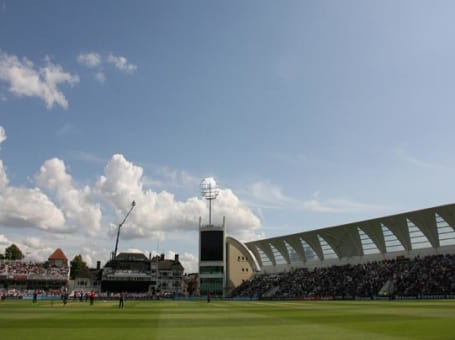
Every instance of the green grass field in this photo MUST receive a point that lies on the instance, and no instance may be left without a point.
(229, 320)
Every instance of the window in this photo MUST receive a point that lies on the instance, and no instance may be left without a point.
(264, 258)
(293, 256)
(445, 232)
(327, 250)
(418, 238)
(279, 258)
(368, 246)
(391, 241)
(310, 254)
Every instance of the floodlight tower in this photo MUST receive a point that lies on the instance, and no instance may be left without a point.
(209, 191)
(114, 253)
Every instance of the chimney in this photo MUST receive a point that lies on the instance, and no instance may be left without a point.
(162, 257)
(176, 258)
(98, 265)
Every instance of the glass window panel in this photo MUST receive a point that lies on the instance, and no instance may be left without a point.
(391, 241)
(327, 250)
(293, 256)
(310, 254)
(368, 246)
(279, 258)
(445, 232)
(418, 238)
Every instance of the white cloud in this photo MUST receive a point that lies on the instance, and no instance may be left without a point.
(189, 262)
(178, 178)
(69, 215)
(82, 213)
(3, 177)
(4, 242)
(2, 134)
(268, 196)
(34, 249)
(165, 177)
(90, 60)
(34, 242)
(159, 213)
(25, 80)
(96, 61)
(121, 63)
(23, 207)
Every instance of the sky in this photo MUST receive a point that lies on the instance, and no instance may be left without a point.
(308, 114)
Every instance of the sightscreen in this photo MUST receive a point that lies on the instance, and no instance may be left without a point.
(212, 245)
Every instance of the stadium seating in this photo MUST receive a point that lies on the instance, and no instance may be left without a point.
(430, 276)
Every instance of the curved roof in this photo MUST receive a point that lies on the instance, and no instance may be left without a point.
(429, 229)
(245, 252)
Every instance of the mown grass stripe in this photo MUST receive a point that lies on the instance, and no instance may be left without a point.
(229, 319)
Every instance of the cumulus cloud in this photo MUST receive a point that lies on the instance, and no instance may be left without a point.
(23, 207)
(4, 242)
(159, 212)
(69, 215)
(34, 242)
(33, 248)
(82, 212)
(189, 262)
(121, 63)
(25, 79)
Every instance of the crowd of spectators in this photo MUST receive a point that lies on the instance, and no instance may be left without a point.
(418, 277)
(18, 293)
(32, 270)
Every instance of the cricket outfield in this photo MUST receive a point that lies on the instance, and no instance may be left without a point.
(414, 319)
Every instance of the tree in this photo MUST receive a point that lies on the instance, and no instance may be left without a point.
(78, 266)
(13, 253)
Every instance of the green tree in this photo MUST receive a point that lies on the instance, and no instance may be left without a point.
(13, 253)
(78, 266)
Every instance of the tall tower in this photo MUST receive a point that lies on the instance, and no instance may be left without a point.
(212, 247)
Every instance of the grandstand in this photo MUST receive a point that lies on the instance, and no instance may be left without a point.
(405, 255)
(18, 275)
(417, 233)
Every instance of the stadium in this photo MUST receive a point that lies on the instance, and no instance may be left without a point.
(391, 277)
(409, 254)
(405, 255)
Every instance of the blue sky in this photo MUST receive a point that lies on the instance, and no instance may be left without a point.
(308, 113)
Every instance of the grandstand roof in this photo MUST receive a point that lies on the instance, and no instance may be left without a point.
(426, 231)
(58, 254)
